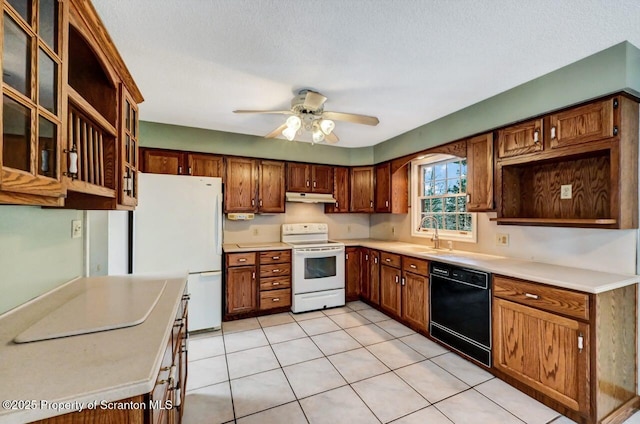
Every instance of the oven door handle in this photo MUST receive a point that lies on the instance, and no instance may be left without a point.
(322, 250)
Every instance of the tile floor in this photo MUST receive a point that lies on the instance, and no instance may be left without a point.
(344, 365)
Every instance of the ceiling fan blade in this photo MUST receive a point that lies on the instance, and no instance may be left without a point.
(331, 138)
(313, 101)
(351, 117)
(281, 112)
(276, 132)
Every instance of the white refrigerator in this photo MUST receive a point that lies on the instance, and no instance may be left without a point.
(177, 227)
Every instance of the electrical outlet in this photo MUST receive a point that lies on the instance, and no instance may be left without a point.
(255, 231)
(502, 239)
(76, 228)
(565, 191)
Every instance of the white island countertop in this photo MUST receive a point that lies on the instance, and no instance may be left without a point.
(556, 275)
(75, 371)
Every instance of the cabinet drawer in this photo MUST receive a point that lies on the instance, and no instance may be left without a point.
(275, 257)
(241, 259)
(275, 270)
(417, 266)
(390, 259)
(273, 283)
(275, 299)
(543, 297)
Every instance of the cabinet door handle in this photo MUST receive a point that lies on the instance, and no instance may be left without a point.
(307, 183)
(536, 136)
(275, 257)
(397, 279)
(580, 343)
(260, 202)
(386, 203)
(242, 260)
(553, 133)
(253, 202)
(314, 184)
(346, 256)
(531, 296)
(371, 203)
(403, 281)
(366, 257)
(375, 259)
(468, 198)
(253, 275)
(189, 170)
(413, 266)
(179, 170)
(275, 299)
(337, 205)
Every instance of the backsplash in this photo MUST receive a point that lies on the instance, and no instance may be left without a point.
(596, 249)
(266, 228)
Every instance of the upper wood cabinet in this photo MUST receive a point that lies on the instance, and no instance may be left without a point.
(480, 173)
(391, 187)
(244, 177)
(241, 184)
(583, 124)
(586, 175)
(34, 109)
(175, 162)
(271, 187)
(101, 119)
(362, 189)
(308, 178)
(521, 139)
(341, 189)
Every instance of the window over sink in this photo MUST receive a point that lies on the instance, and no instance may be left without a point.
(439, 190)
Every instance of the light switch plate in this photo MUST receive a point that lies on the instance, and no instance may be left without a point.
(502, 239)
(565, 191)
(76, 228)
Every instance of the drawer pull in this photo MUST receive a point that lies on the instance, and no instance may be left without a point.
(275, 257)
(242, 260)
(388, 260)
(276, 270)
(275, 283)
(531, 296)
(275, 299)
(413, 266)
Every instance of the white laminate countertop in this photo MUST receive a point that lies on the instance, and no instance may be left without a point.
(103, 366)
(556, 275)
(254, 247)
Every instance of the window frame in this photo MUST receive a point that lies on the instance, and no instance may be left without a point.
(416, 210)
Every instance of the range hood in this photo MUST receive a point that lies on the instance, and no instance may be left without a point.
(309, 198)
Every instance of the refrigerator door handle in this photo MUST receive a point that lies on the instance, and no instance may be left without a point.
(218, 215)
(210, 274)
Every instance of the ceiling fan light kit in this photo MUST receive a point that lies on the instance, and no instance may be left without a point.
(307, 113)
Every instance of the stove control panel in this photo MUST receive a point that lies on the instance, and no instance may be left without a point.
(316, 228)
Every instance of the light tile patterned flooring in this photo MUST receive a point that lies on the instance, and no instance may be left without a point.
(344, 365)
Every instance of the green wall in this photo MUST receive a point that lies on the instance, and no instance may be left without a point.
(614, 69)
(176, 137)
(37, 252)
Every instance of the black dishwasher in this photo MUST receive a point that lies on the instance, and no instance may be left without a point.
(460, 309)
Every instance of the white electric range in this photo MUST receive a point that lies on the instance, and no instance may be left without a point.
(318, 277)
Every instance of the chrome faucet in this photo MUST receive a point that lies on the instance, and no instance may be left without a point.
(435, 239)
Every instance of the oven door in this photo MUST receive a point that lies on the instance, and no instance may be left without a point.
(317, 269)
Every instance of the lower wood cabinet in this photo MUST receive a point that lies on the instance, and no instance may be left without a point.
(577, 350)
(390, 289)
(256, 282)
(374, 277)
(352, 273)
(364, 273)
(415, 292)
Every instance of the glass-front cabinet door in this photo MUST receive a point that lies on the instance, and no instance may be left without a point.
(129, 150)
(31, 100)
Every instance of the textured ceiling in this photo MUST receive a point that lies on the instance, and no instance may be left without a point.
(408, 62)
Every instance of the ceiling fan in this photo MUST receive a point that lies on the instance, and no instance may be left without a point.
(307, 113)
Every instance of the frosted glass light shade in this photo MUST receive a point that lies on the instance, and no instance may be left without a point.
(317, 135)
(293, 123)
(289, 133)
(327, 125)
